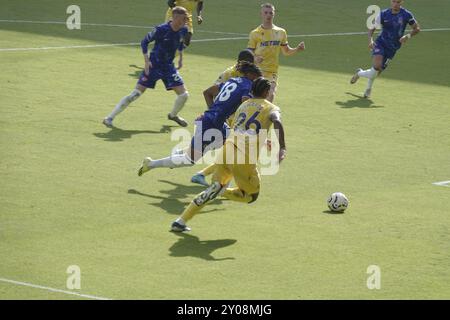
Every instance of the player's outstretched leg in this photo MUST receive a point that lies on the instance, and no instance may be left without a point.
(355, 77)
(236, 194)
(195, 206)
(173, 161)
(248, 184)
(371, 74)
(122, 105)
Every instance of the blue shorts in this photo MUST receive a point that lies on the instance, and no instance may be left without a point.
(208, 135)
(168, 74)
(380, 49)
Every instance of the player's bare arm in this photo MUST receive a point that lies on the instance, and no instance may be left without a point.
(180, 59)
(147, 63)
(279, 130)
(209, 95)
(199, 12)
(370, 35)
(288, 51)
(415, 30)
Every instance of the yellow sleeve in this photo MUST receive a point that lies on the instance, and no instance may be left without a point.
(224, 76)
(252, 42)
(284, 40)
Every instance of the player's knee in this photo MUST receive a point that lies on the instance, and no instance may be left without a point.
(209, 194)
(134, 95)
(254, 197)
(184, 96)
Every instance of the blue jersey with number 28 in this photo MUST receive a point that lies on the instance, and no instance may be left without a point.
(229, 99)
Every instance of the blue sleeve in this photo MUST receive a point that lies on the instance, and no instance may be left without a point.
(246, 93)
(410, 18)
(151, 36)
(382, 18)
(182, 46)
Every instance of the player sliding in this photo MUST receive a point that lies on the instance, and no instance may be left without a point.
(189, 5)
(253, 115)
(394, 22)
(168, 38)
(229, 96)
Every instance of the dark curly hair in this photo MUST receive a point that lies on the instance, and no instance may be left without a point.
(259, 86)
(246, 55)
(245, 67)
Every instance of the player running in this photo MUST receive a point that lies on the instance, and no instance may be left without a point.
(252, 116)
(189, 5)
(266, 41)
(229, 96)
(394, 21)
(231, 72)
(168, 38)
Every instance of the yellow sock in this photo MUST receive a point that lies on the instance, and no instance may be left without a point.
(190, 211)
(208, 170)
(236, 194)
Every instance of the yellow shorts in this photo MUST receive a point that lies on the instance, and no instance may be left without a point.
(246, 176)
(271, 76)
(189, 23)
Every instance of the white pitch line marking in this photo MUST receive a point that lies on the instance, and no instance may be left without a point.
(204, 31)
(195, 40)
(53, 289)
(71, 47)
(442, 184)
(112, 25)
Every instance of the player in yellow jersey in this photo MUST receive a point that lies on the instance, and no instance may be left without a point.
(266, 41)
(231, 72)
(252, 116)
(189, 6)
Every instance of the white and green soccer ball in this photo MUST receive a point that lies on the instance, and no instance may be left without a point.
(337, 202)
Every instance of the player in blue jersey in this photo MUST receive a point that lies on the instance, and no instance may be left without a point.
(211, 129)
(393, 21)
(168, 38)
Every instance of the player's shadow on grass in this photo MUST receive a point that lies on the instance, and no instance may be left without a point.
(172, 203)
(136, 74)
(359, 102)
(117, 134)
(191, 246)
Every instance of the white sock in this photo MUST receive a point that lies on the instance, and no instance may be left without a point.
(370, 84)
(124, 103)
(174, 161)
(179, 103)
(181, 221)
(369, 73)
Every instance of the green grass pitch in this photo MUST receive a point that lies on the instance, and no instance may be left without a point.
(70, 195)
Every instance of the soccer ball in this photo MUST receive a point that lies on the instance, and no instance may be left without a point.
(337, 202)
